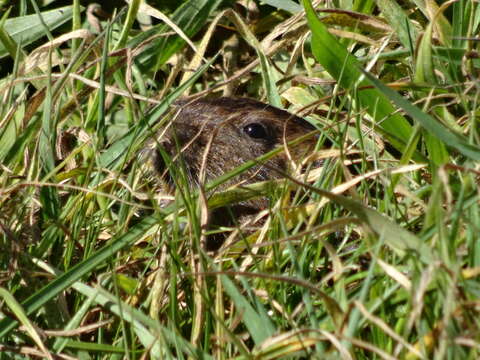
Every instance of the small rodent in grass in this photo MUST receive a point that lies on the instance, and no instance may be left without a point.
(239, 129)
(233, 131)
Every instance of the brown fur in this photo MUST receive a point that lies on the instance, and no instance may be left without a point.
(219, 127)
(222, 122)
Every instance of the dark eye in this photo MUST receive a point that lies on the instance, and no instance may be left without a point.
(255, 131)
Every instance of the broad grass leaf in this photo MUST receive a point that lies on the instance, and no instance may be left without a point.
(425, 74)
(287, 5)
(448, 136)
(438, 153)
(434, 13)
(345, 68)
(258, 324)
(399, 21)
(424, 68)
(26, 29)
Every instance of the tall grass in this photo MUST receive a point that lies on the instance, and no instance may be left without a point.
(373, 255)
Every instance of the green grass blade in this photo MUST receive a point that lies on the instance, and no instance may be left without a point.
(93, 347)
(27, 29)
(147, 329)
(343, 67)
(17, 309)
(127, 26)
(48, 292)
(48, 134)
(437, 129)
(393, 234)
(190, 17)
(9, 45)
(267, 71)
(397, 19)
(287, 5)
(424, 68)
(9, 153)
(258, 326)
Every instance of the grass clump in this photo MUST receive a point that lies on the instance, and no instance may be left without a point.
(374, 255)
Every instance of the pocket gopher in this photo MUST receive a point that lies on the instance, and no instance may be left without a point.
(231, 131)
(239, 129)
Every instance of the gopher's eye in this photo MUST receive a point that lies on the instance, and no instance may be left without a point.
(255, 131)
